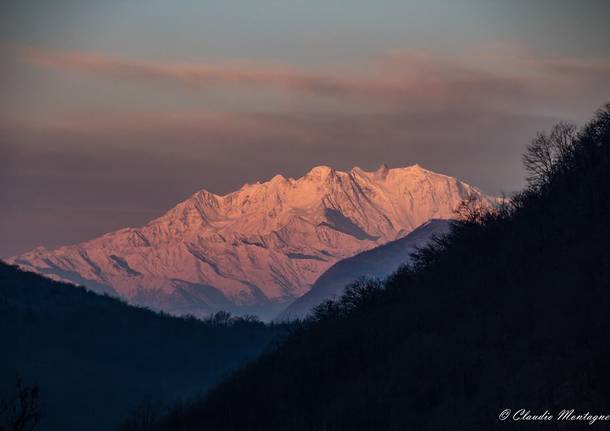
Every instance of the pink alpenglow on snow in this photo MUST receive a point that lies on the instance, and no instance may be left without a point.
(258, 248)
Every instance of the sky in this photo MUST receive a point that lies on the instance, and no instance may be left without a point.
(114, 111)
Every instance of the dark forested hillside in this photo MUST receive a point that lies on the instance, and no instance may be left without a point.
(510, 311)
(376, 263)
(95, 359)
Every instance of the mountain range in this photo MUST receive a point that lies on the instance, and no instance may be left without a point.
(259, 248)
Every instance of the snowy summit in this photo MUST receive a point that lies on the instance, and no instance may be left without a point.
(258, 248)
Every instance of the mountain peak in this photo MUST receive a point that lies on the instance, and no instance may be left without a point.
(261, 245)
(205, 194)
(382, 171)
(321, 170)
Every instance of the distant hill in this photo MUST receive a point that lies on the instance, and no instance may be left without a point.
(95, 358)
(510, 311)
(376, 263)
(254, 250)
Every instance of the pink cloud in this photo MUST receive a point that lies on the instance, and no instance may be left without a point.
(402, 80)
(242, 73)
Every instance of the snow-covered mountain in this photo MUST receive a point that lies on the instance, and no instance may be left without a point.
(378, 262)
(258, 248)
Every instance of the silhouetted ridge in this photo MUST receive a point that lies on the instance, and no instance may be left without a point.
(378, 262)
(509, 311)
(96, 358)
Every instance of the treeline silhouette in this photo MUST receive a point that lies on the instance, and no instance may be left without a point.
(89, 361)
(508, 311)
(20, 410)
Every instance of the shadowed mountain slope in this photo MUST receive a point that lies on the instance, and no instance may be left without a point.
(376, 263)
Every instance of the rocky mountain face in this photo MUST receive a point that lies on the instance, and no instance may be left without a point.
(379, 262)
(258, 248)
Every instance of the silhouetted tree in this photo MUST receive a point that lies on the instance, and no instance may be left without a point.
(143, 417)
(472, 209)
(548, 152)
(221, 318)
(21, 412)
